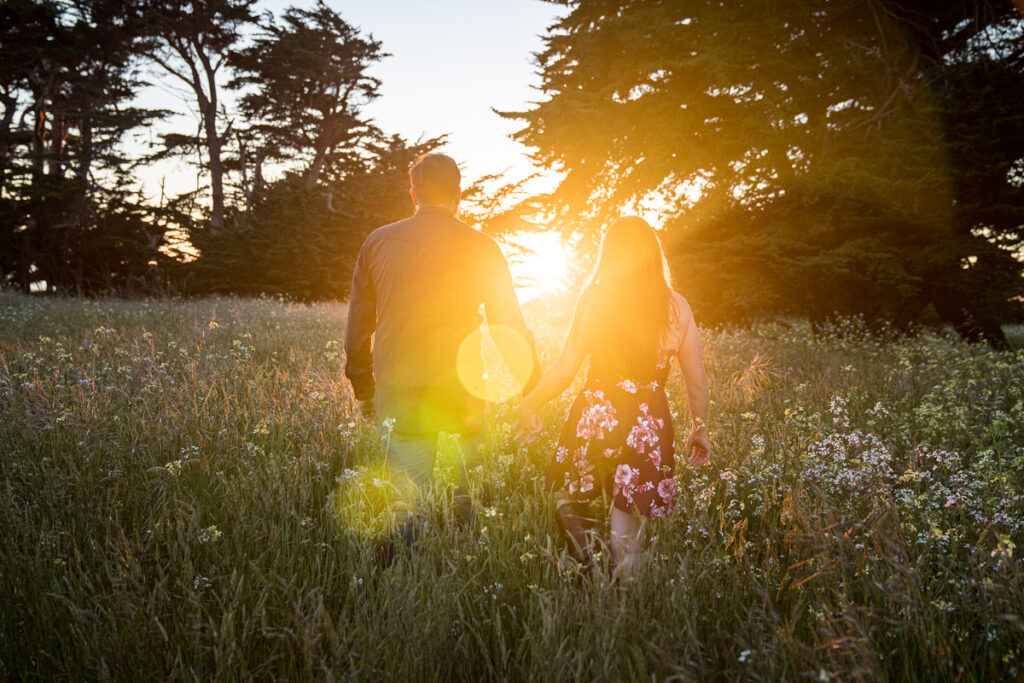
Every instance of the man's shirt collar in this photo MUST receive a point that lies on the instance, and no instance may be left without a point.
(434, 210)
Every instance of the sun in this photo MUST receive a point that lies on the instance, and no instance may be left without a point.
(539, 263)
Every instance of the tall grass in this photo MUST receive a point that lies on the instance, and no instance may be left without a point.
(184, 494)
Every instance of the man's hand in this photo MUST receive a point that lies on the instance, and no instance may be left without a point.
(698, 446)
(367, 411)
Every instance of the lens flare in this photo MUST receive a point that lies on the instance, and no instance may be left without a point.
(366, 500)
(494, 366)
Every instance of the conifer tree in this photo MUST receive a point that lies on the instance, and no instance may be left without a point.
(804, 154)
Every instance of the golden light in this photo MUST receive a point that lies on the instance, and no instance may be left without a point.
(364, 499)
(539, 263)
(494, 365)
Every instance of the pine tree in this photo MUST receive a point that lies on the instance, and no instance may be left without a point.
(303, 82)
(307, 80)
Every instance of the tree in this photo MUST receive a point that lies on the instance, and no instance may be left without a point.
(192, 39)
(67, 72)
(293, 242)
(307, 83)
(796, 149)
(304, 82)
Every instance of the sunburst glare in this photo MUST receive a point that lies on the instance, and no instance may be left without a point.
(539, 262)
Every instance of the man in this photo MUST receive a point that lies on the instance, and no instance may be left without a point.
(417, 290)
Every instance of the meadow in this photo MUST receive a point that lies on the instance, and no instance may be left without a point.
(187, 493)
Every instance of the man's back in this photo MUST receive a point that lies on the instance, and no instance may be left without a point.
(420, 283)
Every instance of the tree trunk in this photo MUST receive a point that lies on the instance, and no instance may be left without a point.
(213, 142)
(85, 160)
(10, 106)
(216, 170)
(313, 174)
(56, 166)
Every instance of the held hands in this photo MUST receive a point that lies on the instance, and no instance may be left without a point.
(528, 424)
(698, 446)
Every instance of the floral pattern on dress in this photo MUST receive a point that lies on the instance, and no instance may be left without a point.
(618, 438)
(598, 416)
(644, 433)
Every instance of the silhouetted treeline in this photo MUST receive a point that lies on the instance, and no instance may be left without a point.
(72, 218)
(817, 157)
(850, 156)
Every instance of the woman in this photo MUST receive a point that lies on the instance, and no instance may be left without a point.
(619, 437)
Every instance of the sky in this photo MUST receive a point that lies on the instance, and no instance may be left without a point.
(451, 62)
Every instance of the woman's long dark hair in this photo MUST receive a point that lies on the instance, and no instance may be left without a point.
(631, 298)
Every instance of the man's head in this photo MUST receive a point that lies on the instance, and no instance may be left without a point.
(435, 181)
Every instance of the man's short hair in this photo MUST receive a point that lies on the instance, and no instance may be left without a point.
(435, 178)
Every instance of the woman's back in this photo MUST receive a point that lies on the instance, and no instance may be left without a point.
(621, 354)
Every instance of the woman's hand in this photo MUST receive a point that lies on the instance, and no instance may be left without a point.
(698, 446)
(528, 424)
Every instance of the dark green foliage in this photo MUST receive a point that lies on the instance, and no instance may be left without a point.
(302, 242)
(67, 73)
(809, 158)
(304, 83)
(69, 216)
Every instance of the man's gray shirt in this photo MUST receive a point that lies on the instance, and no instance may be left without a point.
(417, 290)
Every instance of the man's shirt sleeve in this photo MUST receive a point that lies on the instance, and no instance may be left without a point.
(502, 308)
(362, 320)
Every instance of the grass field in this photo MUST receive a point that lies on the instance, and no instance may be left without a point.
(185, 493)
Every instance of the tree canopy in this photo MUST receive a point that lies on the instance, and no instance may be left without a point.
(810, 157)
(292, 173)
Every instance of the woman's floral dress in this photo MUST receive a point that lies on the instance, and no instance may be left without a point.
(619, 438)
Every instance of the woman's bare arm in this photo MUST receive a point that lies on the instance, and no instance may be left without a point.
(556, 380)
(691, 362)
(553, 383)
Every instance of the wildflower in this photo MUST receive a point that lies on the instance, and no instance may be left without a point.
(745, 656)
(210, 534)
(1003, 549)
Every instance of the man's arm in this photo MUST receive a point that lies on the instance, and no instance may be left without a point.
(502, 308)
(362, 321)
